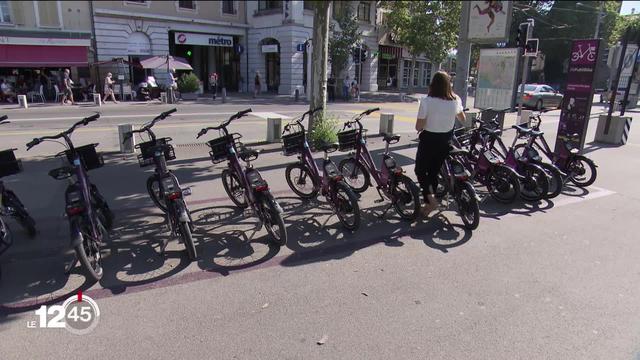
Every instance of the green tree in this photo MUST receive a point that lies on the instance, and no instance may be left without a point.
(343, 40)
(424, 27)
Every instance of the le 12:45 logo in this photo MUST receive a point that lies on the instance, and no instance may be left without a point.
(79, 314)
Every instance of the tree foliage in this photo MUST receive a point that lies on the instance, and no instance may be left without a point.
(424, 27)
(343, 40)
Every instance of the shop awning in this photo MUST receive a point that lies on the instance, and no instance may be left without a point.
(42, 56)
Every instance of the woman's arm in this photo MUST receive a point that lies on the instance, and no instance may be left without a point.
(420, 124)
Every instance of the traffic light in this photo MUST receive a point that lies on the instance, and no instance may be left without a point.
(189, 53)
(521, 36)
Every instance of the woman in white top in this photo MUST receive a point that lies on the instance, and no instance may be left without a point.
(436, 118)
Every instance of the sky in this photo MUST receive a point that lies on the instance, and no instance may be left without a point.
(628, 5)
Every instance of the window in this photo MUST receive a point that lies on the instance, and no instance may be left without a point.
(5, 15)
(228, 7)
(426, 75)
(191, 5)
(416, 73)
(364, 11)
(48, 14)
(406, 70)
(269, 5)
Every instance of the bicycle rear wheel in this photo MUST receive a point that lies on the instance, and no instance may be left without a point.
(273, 220)
(468, 207)
(20, 213)
(582, 171)
(535, 185)
(234, 188)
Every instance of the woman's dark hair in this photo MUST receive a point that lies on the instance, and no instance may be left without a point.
(441, 86)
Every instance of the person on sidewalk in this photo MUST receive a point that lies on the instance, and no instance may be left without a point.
(257, 84)
(67, 93)
(331, 88)
(346, 84)
(108, 89)
(435, 122)
(213, 83)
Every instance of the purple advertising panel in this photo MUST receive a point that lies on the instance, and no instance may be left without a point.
(576, 103)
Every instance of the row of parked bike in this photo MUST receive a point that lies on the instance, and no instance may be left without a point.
(477, 156)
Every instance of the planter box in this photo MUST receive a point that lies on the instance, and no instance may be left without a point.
(189, 96)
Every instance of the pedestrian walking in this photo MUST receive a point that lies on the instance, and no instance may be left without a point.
(172, 84)
(67, 93)
(257, 84)
(345, 88)
(435, 122)
(108, 88)
(213, 82)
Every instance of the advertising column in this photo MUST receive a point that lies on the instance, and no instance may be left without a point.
(576, 103)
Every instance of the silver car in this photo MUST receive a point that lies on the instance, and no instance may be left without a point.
(540, 97)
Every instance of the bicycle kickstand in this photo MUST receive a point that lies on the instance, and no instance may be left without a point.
(384, 212)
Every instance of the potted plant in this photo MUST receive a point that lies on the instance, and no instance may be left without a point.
(188, 85)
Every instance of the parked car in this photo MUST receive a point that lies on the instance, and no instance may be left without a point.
(540, 96)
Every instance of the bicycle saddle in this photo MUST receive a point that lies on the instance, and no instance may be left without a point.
(521, 129)
(454, 150)
(248, 154)
(328, 147)
(391, 138)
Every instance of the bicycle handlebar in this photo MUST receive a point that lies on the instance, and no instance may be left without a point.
(301, 119)
(64, 134)
(148, 126)
(237, 115)
(358, 117)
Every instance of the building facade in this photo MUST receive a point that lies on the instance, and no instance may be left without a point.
(210, 35)
(40, 38)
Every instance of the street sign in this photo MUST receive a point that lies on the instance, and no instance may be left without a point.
(239, 49)
(300, 47)
(531, 48)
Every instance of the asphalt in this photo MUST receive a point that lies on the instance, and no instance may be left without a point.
(552, 280)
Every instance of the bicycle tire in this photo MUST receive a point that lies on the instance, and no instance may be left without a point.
(235, 185)
(350, 177)
(155, 196)
(535, 183)
(351, 204)
(555, 179)
(572, 174)
(95, 271)
(273, 218)
(500, 177)
(468, 206)
(413, 193)
(303, 176)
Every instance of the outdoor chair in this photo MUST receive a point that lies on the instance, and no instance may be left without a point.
(37, 94)
(59, 94)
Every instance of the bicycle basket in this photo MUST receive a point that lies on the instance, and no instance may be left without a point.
(9, 165)
(148, 149)
(90, 158)
(347, 140)
(293, 143)
(219, 148)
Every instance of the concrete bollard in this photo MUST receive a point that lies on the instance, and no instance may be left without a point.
(97, 100)
(163, 97)
(296, 95)
(126, 147)
(618, 131)
(386, 123)
(274, 130)
(22, 101)
(524, 117)
(224, 95)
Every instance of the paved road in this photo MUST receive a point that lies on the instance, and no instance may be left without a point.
(553, 280)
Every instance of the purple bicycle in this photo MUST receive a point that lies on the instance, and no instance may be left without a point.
(305, 180)
(245, 186)
(359, 167)
(88, 213)
(163, 186)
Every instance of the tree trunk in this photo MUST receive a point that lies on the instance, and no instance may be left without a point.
(319, 59)
(412, 74)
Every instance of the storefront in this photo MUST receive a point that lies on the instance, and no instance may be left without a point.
(27, 63)
(209, 53)
(388, 64)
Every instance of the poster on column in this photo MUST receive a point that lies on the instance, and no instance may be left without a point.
(576, 103)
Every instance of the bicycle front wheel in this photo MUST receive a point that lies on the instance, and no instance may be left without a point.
(582, 171)
(355, 174)
(301, 181)
(554, 176)
(503, 184)
(273, 220)
(345, 204)
(468, 207)
(88, 251)
(535, 186)
(153, 188)
(407, 198)
(234, 188)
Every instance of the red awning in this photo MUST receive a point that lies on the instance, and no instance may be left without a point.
(42, 56)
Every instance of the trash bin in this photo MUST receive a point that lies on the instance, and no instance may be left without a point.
(616, 132)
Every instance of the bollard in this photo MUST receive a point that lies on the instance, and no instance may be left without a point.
(402, 95)
(618, 131)
(22, 101)
(97, 100)
(296, 94)
(126, 147)
(524, 117)
(224, 95)
(386, 123)
(274, 130)
(163, 97)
